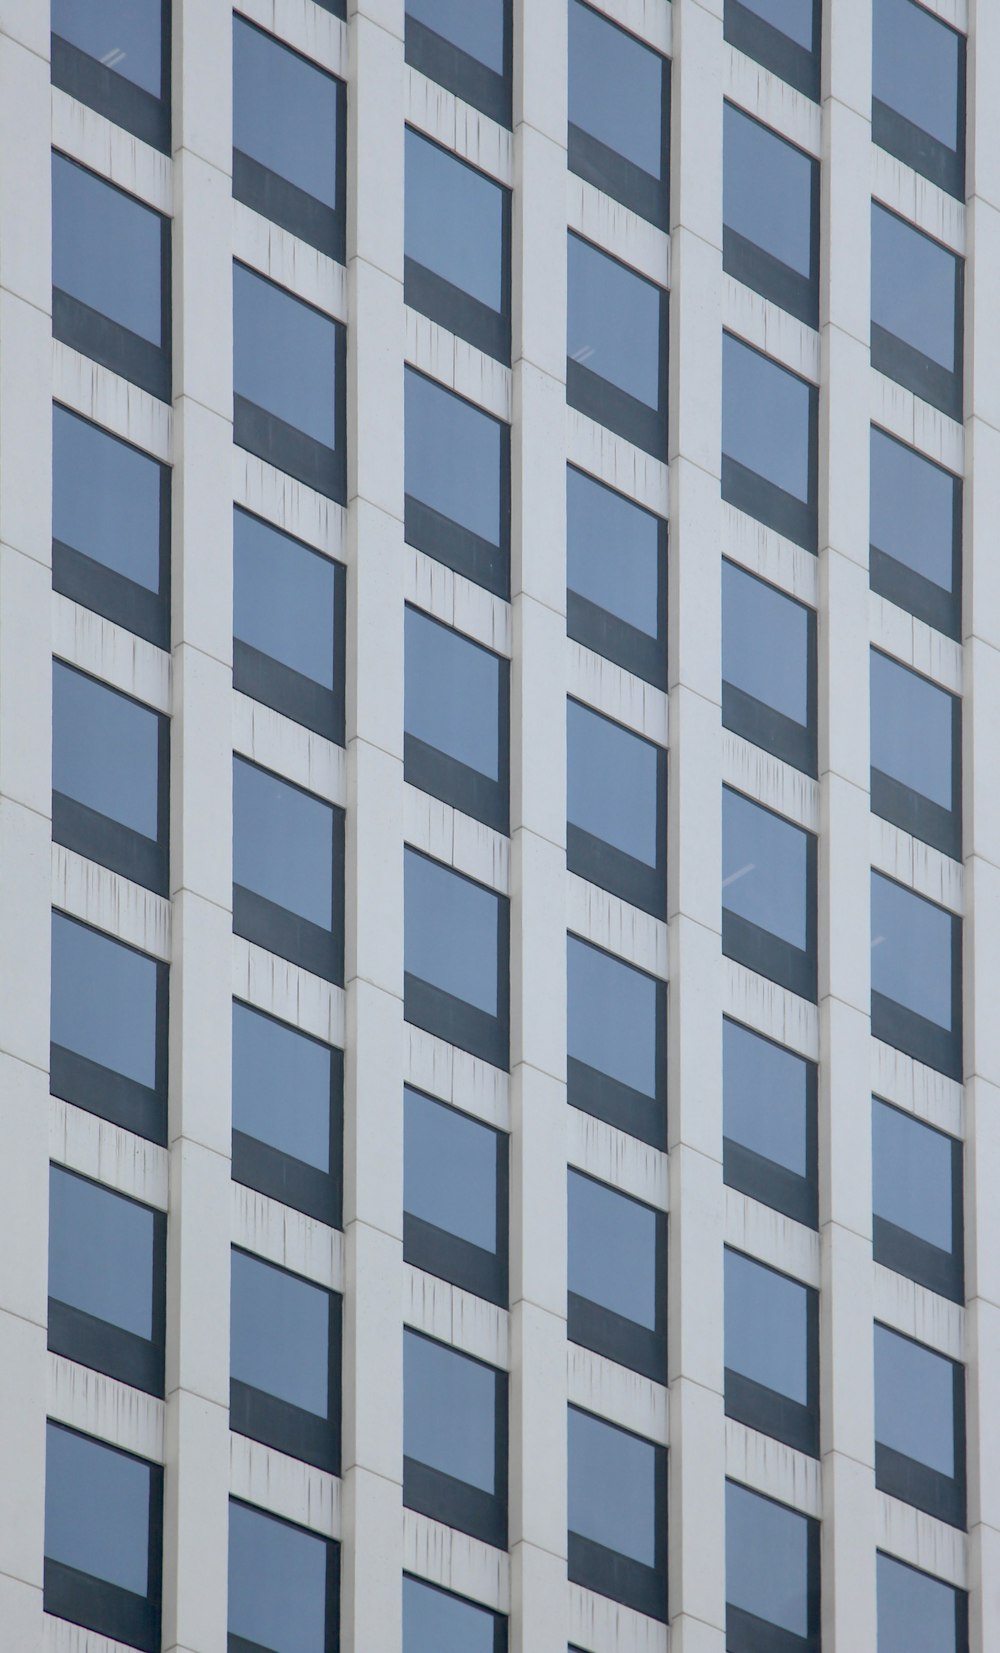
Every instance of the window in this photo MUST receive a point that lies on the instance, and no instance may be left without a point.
(619, 114)
(769, 1123)
(919, 1426)
(107, 1270)
(770, 237)
(457, 246)
(289, 139)
(616, 576)
(110, 277)
(616, 1065)
(115, 56)
(772, 1575)
(288, 1099)
(768, 668)
(772, 1353)
(918, 91)
(455, 1181)
(768, 894)
(917, 1200)
(616, 368)
(917, 301)
(103, 1538)
(289, 383)
(454, 1439)
(289, 607)
(617, 809)
(617, 1277)
(916, 976)
(917, 1613)
(457, 461)
(435, 1621)
(284, 1585)
(110, 778)
(916, 754)
(916, 533)
(110, 527)
(466, 48)
(109, 1028)
(617, 1514)
(783, 35)
(457, 720)
(769, 432)
(288, 871)
(284, 1381)
(457, 969)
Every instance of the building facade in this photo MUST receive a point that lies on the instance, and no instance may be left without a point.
(499, 826)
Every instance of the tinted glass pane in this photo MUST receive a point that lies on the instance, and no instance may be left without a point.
(764, 868)
(913, 509)
(451, 932)
(611, 779)
(284, 356)
(284, 112)
(767, 1560)
(436, 1622)
(453, 457)
(917, 68)
(911, 951)
(124, 35)
(767, 1327)
(914, 288)
(477, 30)
(765, 1097)
(282, 843)
(792, 17)
(914, 1401)
(612, 1250)
(612, 552)
(106, 249)
(277, 1583)
(85, 1479)
(280, 1333)
(281, 1087)
(611, 1016)
(765, 643)
(615, 88)
(105, 498)
(452, 694)
(916, 1613)
(454, 221)
(612, 1487)
(449, 1411)
(283, 598)
(103, 1000)
(912, 730)
(450, 1170)
(767, 190)
(912, 1175)
(105, 750)
(613, 322)
(765, 418)
(100, 1252)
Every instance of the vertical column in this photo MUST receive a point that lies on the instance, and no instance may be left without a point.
(373, 1122)
(981, 815)
(197, 1382)
(846, 1372)
(25, 804)
(538, 835)
(695, 1352)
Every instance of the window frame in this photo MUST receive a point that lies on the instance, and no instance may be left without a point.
(895, 1024)
(910, 810)
(593, 1326)
(445, 1498)
(763, 725)
(239, 1644)
(909, 1254)
(609, 1572)
(449, 542)
(606, 403)
(614, 174)
(916, 148)
(774, 50)
(604, 864)
(765, 1180)
(767, 1410)
(449, 1256)
(915, 1483)
(499, 1619)
(607, 634)
(765, 501)
(904, 586)
(761, 950)
(763, 272)
(459, 72)
(114, 96)
(458, 784)
(602, 1096)
(446, 1017)
(961, 1597)
(745, 1632)
(903, 363)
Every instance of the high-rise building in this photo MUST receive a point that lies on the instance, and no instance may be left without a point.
(499, 826)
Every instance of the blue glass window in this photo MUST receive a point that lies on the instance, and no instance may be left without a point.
(619, 113)
(457, 241)
(616, 347)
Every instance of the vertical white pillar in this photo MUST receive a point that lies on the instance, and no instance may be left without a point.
(25, 804)
(695, 1284)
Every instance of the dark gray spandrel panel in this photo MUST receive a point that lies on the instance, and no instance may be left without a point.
(96, 1510)
(124, 35)
(615, 88)
(284, 356)
(765, 418)
(453, 457)
(612, 783)
(285, 112)
(765, 643)
(450, 1170)
(284, 598)
(612, 1016)
(612, 1487)
(452, 694)
(454, 221)
(103, 1000)
(765, 1096)
(767, 1560)
(449, 1412)
(917, 69)
(451, 932)
(764, 869)
(914, 1401)
(437, 1622)
(613, 321)
(912, 1175)
(105, 499)
(767, 190)
(612, 1250)
(101, 1252)
(474, 29)
(912, 509)
(282, 843)
(106, 249)
(912, 727)
(281, 1087)
(105, 750)
(277, 1583)
(767, 1327)
(911, 951)
(914, 288)
(280, 1334)
(612, 552)
(916, 1613)
(792, 17)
